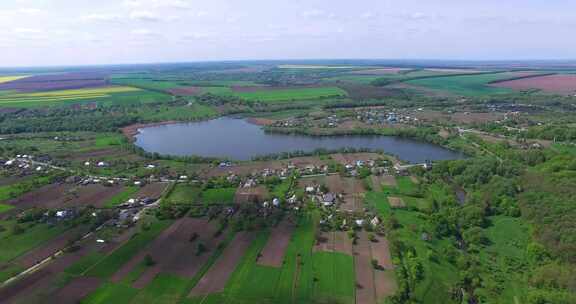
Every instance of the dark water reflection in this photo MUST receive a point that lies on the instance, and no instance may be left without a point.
(239, 140)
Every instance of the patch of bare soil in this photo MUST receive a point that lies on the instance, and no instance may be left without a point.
(154, 190)
(216, 278)
(365, 286)
(186, 91)
(76, 290)
(353, 195)
(260, 121)
(131, 131)
(174, 251)
(384, 279)
(251, 195)
(342, 243)
(273, 252)
(559, 84)
(396, 202)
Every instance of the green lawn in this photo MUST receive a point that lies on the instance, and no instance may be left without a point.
(120, 198)
(85, 263)
(164, 289)
(183, 193)
(335, 277)
(109, 265)
(219, 196)
(379, 201)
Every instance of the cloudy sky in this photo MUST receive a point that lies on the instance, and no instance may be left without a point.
(73, 32)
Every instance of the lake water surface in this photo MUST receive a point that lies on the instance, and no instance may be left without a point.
(237, 139)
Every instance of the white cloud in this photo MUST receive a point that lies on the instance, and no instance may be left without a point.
(149, 16)
(30, 11)
(197, 36)
(28, 31)
(145, 33)
(144, 16)
(175, 4)
(101, 18)
(368, 15)
(316, 13)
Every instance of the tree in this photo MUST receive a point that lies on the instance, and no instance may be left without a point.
(149, 261)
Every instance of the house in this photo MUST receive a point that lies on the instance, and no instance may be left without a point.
(359, 222)
(276, 202)
(150, 166)
(328, 199)
(375, 221)
(102, 164)
(293, 199)
(310, 189)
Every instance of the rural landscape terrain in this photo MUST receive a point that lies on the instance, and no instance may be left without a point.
(361, 182)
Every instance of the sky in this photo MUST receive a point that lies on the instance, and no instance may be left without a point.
(87, 32)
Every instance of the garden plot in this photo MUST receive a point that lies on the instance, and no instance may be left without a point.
(216, 278)
(273, 252)
(174, 251)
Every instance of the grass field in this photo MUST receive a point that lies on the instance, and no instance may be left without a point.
(109, 265)
(5, 207)
(110, 293)
(164, 289)
(122, 197)
(82, 265)
(219, 196)
(509, 238)
(471, 85)
(334, 277)
(183, 194)
(291, 283)
(14, 245)
(292, 94)
(439, 274)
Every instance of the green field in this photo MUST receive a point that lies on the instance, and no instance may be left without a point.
(109, 265)
(120, 198)
(471, 85)
(14, 245)
(110, 293)
(218, 196)
(292, 94)
(183, 194)
(279, 95)
(5, 207)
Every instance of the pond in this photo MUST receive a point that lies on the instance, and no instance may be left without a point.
(238, 139)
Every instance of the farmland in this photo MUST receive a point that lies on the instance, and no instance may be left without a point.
(87, 215)
(470, 85)
(556, 84)
(40, 99)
